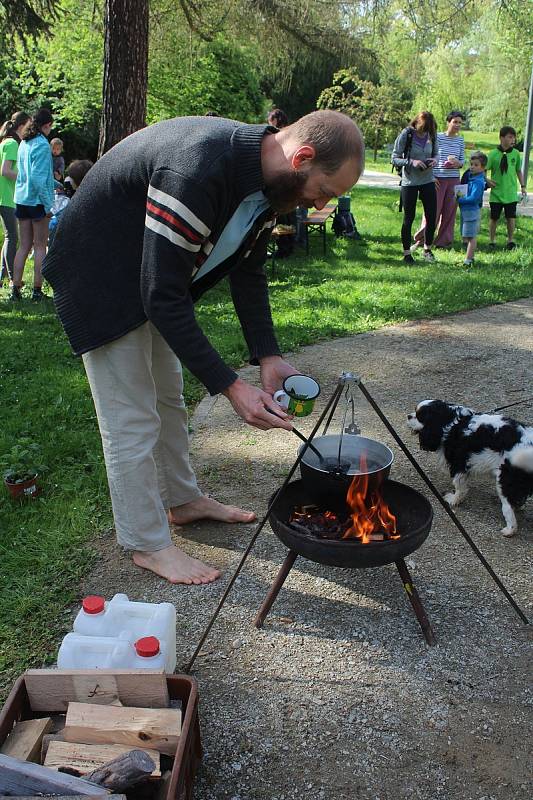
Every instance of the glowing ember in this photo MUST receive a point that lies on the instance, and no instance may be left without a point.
(369, 519)
(370, 514)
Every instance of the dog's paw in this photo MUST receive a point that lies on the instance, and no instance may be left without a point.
(451, 499)
(509, 531)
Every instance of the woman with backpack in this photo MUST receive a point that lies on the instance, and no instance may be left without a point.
(414, 152)
(34, 197)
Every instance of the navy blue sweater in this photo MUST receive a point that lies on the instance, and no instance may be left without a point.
(140, 226)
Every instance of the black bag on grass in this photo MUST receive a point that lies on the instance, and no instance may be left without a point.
(344, 221)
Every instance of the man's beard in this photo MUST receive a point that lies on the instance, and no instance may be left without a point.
(285, 191)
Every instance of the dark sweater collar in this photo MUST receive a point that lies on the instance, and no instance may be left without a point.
(246, 141)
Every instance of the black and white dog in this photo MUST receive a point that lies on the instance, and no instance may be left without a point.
(466, 443)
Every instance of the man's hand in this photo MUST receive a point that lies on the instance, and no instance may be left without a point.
(251, 405)
(274, 370)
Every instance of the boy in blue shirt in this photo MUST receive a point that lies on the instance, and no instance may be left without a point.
(472, 203)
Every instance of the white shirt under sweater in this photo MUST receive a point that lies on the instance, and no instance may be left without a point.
(449, 146)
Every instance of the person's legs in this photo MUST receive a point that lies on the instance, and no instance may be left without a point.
(123, 391)
(495, 211)
(446, 211)
(40, 240)
(428, 195)
(124, 395)
(420, 235)
(409, 196)
(25, 245)
(471, 245)
(510, 219)
(9, 248)
(177, 482)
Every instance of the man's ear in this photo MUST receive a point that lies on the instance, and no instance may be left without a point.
(306, 152)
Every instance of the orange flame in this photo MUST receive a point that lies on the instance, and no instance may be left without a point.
(370, 515)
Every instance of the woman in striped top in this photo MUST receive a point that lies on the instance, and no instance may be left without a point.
(451, 158)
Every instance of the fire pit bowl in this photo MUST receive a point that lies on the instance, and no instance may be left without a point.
(328, 482)
(414, 518)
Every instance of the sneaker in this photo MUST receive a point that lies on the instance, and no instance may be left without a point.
(15, 293)
(510, 245)
(37, 295)
(415, 246)
(408, 258)
(428, 255)
(468, 262)
(492, 245)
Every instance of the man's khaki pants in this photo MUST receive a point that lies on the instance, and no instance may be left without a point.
(137, 387)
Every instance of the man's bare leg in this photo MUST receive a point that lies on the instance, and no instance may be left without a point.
(204, 507)
(176, 566)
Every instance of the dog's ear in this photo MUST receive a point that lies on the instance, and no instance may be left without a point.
(434, 416)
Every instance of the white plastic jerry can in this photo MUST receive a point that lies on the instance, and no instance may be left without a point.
(121, 616)
(107, 652)
(93, 652)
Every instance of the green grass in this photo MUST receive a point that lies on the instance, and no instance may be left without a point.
(45, 544)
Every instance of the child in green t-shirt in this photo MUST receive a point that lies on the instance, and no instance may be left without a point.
(504, 164)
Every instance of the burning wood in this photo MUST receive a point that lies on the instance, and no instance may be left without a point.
(367, 517)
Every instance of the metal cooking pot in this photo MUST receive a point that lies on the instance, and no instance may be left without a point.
(329, 478)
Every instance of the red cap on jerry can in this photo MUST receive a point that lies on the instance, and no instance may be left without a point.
(93, 604)
(147, 647)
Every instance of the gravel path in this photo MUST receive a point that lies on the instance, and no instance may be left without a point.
(338, 696)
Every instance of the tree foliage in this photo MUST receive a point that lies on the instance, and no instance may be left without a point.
(379, 110)
(27, 17)
(239, 56)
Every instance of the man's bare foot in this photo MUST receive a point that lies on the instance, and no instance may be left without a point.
(176, 566)
(204, 507)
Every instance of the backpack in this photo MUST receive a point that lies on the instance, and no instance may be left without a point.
(406, 151)
(344, 221)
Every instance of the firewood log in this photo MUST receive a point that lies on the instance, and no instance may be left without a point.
(123, 772)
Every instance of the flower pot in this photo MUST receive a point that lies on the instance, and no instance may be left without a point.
(27, 488)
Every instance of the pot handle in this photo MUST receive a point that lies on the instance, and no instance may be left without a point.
(300, 436)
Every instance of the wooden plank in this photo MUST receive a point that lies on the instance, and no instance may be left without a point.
(45, 744)
(87, 757)
(23, 778)
(25, 739)
(157, 729)
(51, 690)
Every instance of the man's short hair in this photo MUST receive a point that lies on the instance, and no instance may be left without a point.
(506, 130)
(479, 156)
(453, 114)
(334, 136)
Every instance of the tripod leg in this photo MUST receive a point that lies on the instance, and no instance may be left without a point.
(275, 588)
(415, 601)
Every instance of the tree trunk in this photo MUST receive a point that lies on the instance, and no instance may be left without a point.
(125, 71)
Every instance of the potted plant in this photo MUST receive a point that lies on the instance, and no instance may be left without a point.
(21, 468)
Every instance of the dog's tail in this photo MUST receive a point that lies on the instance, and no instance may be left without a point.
(522, 458)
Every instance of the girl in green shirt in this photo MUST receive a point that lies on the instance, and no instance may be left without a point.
(10, 134)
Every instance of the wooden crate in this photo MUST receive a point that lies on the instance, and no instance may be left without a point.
(180, 687)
